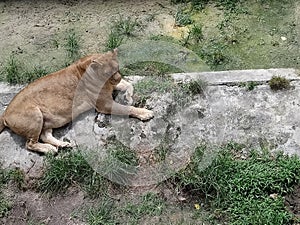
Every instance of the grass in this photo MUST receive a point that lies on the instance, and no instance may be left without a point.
(279, 83)
(182, 18)
(123, 154)
(151, 69)
(16, 73)
(195, 35)
(146, 87)
(250, 86)
(6, 176)
(12, 70)
(5, 206)
(239, 188)
(194, 87)
(125, 26)
(114, 40)
(181, 93)
(72, 45)
(101, 214)
(67, 169)
(150, 205)
(229, 5)
(110, 212)
(121, 28)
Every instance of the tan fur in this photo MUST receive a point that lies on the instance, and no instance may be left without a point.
(2, 126)
(52, 101)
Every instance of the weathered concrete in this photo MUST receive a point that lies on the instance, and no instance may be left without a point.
(226, 112)
(260, 117)
(238, 76)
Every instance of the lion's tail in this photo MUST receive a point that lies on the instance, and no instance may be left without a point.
(2, 126)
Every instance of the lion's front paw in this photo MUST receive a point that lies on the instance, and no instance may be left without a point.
(64, 144)
(145, 114)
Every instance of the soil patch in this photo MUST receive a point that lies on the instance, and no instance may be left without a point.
(30, 207)
(292, 202)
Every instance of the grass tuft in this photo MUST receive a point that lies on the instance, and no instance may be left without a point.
(194, 87)
(15, 72)
(123, 154)
(14, 175)
(70, 168)
(114, 40)
(72, 45)
(5, 206)
(101, 214)
(12, 70)
(279, 83)
(125, 26)
(151, 204)
(182, 18)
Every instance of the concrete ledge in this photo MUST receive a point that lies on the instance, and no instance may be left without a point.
(225, 112)
(237, 76)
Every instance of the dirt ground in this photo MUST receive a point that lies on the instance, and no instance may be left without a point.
(35, 30)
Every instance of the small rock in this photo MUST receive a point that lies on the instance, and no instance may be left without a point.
(283, 38)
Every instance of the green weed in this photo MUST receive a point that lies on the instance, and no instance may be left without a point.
(154, 84)
(240, 188)
(16, 73)
(250, 86)
(151, 204)
(4, 203)
(37, 72)
(7, 175)
(125, 26)
(72, 45)
(194, 87)
(229, 5)
(5, 206)
(146, 87)
(196, 34)
(114, 40)
(101, 214)
(182, 18)
(279, 83)
(161, 37)
(214, 53)
(12, 70)
(70, 168)
(123, 154)
(32, 222)
(121, 28)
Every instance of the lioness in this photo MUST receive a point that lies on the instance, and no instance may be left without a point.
(52, 101)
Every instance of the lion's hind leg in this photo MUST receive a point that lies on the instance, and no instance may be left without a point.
(47, 137)
(29, 123)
